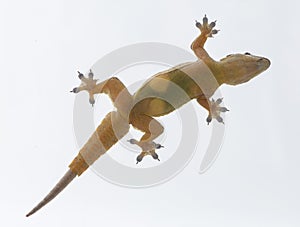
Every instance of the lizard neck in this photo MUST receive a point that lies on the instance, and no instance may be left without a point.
(216, 67)
(225, 71)
(208, 76)
(217, 70)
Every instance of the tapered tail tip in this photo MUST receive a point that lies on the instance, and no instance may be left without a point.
(65, 180)
(30, 213)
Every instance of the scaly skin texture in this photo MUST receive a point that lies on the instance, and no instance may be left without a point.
(160, 95)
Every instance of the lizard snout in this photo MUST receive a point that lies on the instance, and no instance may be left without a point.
(264, 63)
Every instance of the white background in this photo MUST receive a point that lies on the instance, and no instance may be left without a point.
(255, 180)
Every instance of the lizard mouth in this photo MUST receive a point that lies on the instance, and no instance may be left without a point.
(264, 64)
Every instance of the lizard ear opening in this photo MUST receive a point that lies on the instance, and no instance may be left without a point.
(247, 53)
(226, 57)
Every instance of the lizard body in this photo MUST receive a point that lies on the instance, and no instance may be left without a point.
(158, 96)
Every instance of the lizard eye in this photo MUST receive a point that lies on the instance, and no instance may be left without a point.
(247, 53)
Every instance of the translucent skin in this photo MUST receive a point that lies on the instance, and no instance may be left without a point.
(160, 95)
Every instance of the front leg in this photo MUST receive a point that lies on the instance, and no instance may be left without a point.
(206, 32)
(214, 109)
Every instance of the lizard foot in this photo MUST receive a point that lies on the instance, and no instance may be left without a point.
(148, 148)
(216, 110)
(207, 29)
(87, 84)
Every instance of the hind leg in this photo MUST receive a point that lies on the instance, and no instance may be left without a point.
(113, 87)
(152, 129)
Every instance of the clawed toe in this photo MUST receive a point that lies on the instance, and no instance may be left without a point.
(207, 29)
(75, 90)
(91, 74)
(158, 146)
(153, 154)
(140, 157)
(132, 141)
(148, 148)
(146, 145)
(92, 100)
(216, 110)
(80, 75)
(87, 84)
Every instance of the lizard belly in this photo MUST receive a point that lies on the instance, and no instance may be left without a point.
(154, 107)
(169, 90)
(161, 99)
(161, 95)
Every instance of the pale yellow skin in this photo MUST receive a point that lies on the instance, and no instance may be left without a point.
(160, 95)
(140, 108)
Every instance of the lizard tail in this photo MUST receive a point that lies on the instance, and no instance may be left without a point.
(112, 128)
(65, 180)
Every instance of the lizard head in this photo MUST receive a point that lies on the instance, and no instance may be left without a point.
(240, 68)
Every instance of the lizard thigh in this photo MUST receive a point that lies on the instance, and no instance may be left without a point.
(151, 127)
(117, 92)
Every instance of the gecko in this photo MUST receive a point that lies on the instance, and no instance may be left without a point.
(160, 95)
